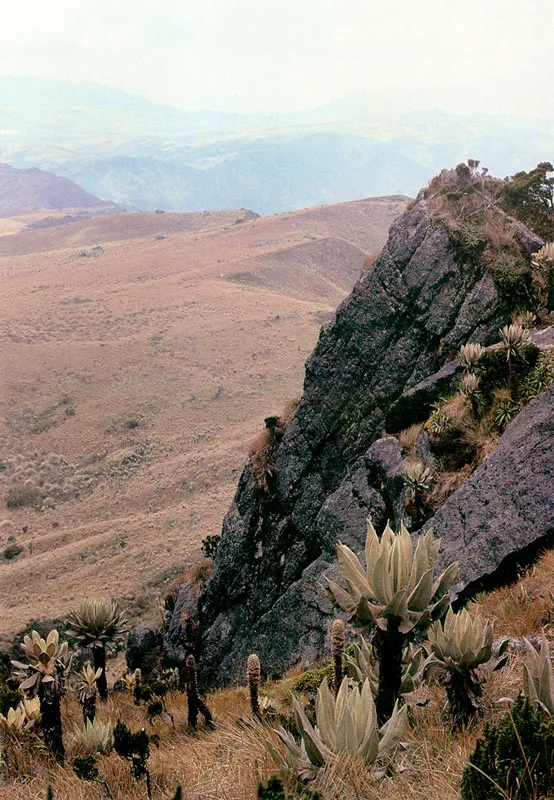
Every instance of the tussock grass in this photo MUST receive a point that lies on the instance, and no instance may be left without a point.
(408, 438)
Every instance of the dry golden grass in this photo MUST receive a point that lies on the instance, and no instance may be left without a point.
(446, 484)
(370, 260)
(225, 764)
(527, 606)
(407, 438)
(229, 762)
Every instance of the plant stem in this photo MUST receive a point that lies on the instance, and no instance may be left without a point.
(99, 660)
(52, 722)
(388, 646)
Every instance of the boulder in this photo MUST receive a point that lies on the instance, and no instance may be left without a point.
(504, 514)
(144, 646)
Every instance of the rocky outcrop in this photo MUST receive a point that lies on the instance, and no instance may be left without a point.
(143, 649)
(504, 514)
(406, 317)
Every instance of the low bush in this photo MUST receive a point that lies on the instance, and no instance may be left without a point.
(26, 495)
(12, 551)
(514, 758)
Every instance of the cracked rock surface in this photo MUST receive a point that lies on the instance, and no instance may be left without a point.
(406, 317)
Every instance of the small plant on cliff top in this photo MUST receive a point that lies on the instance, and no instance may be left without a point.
(210, 546)
(396, 591)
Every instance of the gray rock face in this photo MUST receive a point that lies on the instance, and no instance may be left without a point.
(407, 315)
(504, 513)
(143, 648)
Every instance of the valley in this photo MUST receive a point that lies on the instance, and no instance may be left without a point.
(140, 355)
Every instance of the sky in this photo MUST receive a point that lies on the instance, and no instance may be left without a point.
(276, 56)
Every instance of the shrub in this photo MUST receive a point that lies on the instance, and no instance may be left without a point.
(26, 495)
(210, 546)
(513, 759)
(540, 377)
(135, 747)
(310, 680)
(8, 699)
(530, 197)
(513, 280)
(12, 550)
(275, 790)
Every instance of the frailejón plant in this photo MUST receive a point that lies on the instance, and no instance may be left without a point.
(253, 673)
(361, 665)
(538, 677)
(97, 623)
(87, 691)
(396, 591)
(337, 651)
(459, 645)
(47, 665)
(514, 339)
(470, 354)
(347, 724)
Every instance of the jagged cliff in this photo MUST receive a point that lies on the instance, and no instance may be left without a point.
(406, 317)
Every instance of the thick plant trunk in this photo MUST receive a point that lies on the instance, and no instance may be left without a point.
(52, 722)
(462, 692)
(512, 379)
(388, 646)
(195, 702)
(99, 660)
(89, 709)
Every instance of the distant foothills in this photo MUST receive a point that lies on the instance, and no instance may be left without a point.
(144, 155)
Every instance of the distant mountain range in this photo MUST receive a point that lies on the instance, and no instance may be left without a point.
(23, 191)
(143, 154)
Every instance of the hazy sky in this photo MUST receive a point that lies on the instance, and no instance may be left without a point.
(288, 55)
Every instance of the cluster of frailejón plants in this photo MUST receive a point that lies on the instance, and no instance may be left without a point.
(45, 678)
(361, 708)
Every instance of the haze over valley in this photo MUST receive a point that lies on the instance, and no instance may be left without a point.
(146, 155)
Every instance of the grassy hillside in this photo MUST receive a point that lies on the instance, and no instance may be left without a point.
(230, 761)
